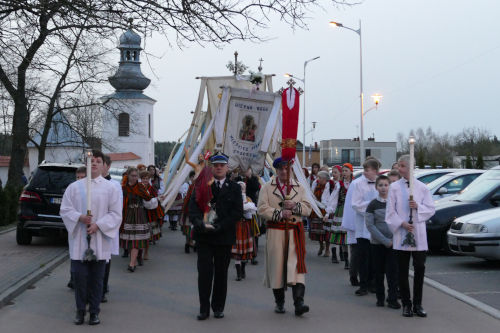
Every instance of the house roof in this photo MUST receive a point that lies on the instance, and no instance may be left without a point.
(5, 161)
(60, 134)
(123, 156)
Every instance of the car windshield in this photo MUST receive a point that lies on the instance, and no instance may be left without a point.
(478, 189)
(53, 180)
(426, 179)
(438, 182)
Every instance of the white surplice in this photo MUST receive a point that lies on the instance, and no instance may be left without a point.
(106, 213)
(348, 219)
(362, 195)
(398, 211)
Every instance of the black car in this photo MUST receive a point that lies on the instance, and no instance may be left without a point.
(40, 201)
(483, 193)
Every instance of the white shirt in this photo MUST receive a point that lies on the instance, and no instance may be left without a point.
(220, 183)
(333, 199)
(398, 211)
(364, 193)
(348, 219)
(249, 208)
(116, 241)
(106, 211)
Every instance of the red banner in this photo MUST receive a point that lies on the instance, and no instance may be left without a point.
(290, 108)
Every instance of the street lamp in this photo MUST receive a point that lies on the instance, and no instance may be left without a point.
(361, 139)
(304, 111)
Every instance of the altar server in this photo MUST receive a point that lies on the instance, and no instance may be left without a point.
(398, 217)
(102, 226)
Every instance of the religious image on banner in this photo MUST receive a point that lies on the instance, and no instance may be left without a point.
(246, 124)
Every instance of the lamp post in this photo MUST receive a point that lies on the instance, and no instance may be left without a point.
(361, 139)
(304, 111)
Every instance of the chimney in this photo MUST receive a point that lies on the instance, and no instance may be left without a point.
(315, 145)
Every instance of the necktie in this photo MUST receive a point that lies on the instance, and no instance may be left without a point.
(219, 185)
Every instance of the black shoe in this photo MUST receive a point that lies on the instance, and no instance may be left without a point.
(186, 248)
(346, 263)
(380, 304)
(334, 255)
(407, 311)
(243, 273)
(94, 319)
(361, 292)
(393, 305)
(131, 269)
(298, 292)
(218, 314)
(418, 310)
(80, 317)
(341, 255)
(202, 316)
(354, 281)
(254, 262)
(279, 308)
(104, 299)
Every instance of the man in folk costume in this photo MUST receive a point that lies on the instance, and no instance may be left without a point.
(102, 226)
(320, 230)
(283, 214)
(398, 216)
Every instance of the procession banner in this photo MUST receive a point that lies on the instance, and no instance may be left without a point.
(249, 113)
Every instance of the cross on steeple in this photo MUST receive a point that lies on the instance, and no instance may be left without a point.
(260, 64)
(235, 63)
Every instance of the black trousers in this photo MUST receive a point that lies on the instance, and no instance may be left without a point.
(213, 263)
(365, 262)
(418, 279)
(105, 287)
(88, 281)
(354, 261)
(386, 264)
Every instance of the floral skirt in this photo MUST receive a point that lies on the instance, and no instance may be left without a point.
(338, 236)
(135, 233)
(244, 247)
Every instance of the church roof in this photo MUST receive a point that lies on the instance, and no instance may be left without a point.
(123, 156)
(129, 95)
(130, 39)
(60, 134)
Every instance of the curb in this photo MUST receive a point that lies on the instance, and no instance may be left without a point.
(462, 297)
(7, 230)
(20, 286)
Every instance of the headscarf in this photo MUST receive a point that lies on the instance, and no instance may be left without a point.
(349, 166)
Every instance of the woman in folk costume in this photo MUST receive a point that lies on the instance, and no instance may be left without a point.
(243, 250)
(314, 173)
(322, 188)
(135, 232)
(336, 207)
(155, 215)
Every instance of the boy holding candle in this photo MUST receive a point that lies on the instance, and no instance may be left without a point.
(409, 205)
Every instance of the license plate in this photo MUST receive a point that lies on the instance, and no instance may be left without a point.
(452, 240)
(56, 201)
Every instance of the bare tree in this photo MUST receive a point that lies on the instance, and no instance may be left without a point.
(28, 27)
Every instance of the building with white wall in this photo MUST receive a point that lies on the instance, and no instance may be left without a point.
(340, 151)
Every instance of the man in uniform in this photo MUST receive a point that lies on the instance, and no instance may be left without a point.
(283, 205)
(214, 241)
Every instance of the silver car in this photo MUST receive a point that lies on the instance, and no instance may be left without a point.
(452, 183)
(477, 234)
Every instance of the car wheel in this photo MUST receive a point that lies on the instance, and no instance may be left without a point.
(23, 237)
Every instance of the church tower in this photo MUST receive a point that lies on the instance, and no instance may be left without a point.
(128, 113)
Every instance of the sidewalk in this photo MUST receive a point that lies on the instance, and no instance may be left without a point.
(18, 262)
(162, 296)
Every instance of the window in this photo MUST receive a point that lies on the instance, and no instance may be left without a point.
(123, 124)
(368, 152)
(348, 156)
(458, 184)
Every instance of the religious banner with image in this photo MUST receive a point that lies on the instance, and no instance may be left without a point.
(249, 113)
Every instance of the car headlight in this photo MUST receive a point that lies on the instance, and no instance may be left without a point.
(471, 228)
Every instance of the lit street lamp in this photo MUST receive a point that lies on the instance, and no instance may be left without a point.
(304, 110)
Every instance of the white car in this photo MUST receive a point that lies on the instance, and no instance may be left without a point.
(452, 183)
(477, 234)
(428, 175)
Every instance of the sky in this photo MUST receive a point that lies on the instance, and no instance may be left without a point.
(434, 61)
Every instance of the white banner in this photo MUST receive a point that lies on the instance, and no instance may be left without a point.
(249, 113)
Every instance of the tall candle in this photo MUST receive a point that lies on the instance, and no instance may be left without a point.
(411, 141)
(89, 182)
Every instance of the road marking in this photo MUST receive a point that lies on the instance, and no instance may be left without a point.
(487, 292)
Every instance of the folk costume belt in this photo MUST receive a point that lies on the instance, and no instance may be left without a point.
(299, 239)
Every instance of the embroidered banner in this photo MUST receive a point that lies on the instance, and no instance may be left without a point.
(249, 113)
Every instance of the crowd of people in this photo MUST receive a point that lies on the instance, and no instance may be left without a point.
(362, 222)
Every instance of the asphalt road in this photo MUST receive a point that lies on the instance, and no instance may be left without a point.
(474, 277)
(162, 296)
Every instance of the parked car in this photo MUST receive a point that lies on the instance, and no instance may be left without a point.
(452, 183)
(40, 201)
(477, 234)
(428, 175)
(481, 194)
